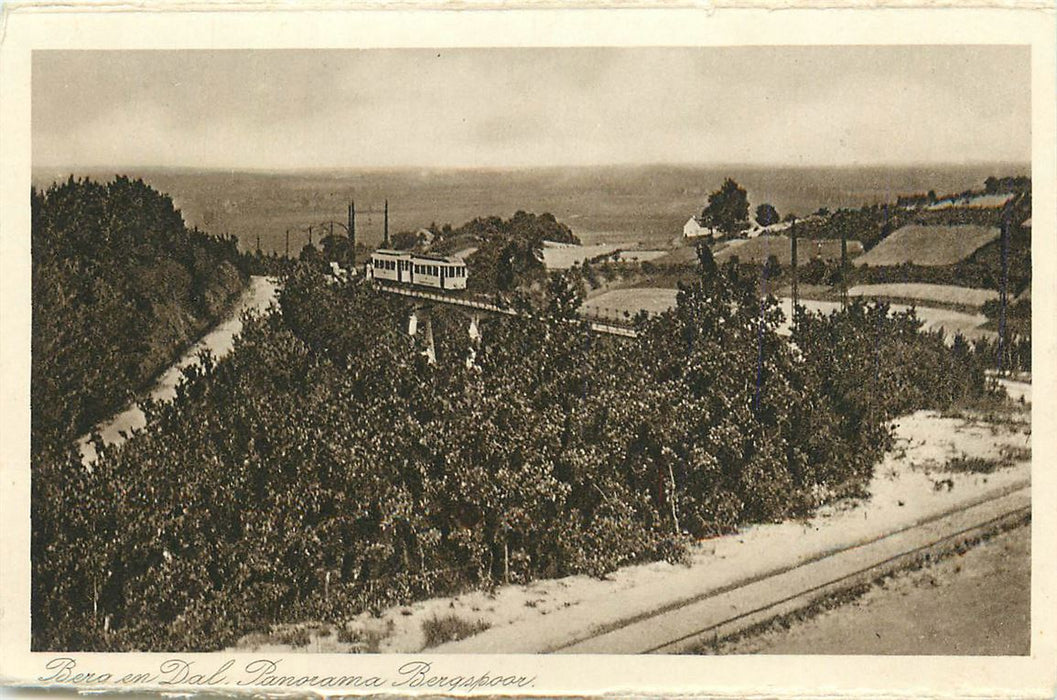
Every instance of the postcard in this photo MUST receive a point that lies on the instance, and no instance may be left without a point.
(529, 352)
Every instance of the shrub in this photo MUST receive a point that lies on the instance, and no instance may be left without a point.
(325, 468)
(450, 628)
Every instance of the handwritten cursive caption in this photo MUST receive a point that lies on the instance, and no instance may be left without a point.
(268, 673)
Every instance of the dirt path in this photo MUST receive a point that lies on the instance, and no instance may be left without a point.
(978, 602)
(219, 340)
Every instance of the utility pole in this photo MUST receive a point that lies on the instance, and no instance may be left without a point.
(258, 244)
(309, 235)
(843, 271)
(385, 238)
(1004, 293)
(352, 233)
(288, 243)
(796, 281)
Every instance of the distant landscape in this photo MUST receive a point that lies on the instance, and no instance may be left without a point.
(645, 205)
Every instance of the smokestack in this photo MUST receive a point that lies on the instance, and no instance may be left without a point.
(352, 232)
(796, 279)
(385, 239)
(843, 271)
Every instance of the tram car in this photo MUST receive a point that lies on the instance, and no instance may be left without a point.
(405, 267)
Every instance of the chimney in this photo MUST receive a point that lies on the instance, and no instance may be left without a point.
(352, 233)
(385, 239)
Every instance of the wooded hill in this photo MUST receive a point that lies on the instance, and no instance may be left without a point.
(120, 287)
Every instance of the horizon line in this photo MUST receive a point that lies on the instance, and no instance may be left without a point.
(511, 168)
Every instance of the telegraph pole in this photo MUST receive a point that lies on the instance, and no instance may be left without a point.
(288, 243)
(258, 244)
(843, 271)
(1004, 293)
(796, 280)
(385, 239)
(352, 233)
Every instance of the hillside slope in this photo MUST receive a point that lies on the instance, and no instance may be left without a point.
(120, 286)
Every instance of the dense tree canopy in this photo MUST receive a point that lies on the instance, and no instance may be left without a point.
(119, 286)
(325, 467)
(728, 208)
(767, 215)
(509, 252)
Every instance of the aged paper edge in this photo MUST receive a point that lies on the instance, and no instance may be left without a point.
(182, 25)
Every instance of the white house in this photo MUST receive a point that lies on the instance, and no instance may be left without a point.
(695, 228)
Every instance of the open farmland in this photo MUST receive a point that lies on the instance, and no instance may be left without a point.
(562, 256)
(983, 201)
(929, 245)
(757, 250)
(636, 255)
(949, 321)
(615, 302)
(654, 300)
(939, 293)
(625, 205)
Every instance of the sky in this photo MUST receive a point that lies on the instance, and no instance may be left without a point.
(495, 108)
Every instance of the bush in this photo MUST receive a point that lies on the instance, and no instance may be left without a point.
(325, 467)
(450, 628)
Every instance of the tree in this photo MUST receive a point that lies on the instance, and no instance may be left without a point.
(565, 294)
(772, 268)
(310, 254)
(728, 208)
(335, 248)
(766, 215)
(707, 262)
(404, 240)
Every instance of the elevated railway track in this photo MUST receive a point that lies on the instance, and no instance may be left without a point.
(480, 305)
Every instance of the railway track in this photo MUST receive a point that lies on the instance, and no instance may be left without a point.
(488, 307)
(718, 613)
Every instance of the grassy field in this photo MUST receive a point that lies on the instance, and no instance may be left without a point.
(558, 256)
(984, 201)
(757, 250)
(929, 245)
(616, 301)
(938, 293)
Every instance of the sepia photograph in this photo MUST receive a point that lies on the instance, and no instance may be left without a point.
(694, 351)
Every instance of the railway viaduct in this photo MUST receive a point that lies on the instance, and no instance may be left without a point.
(420, 320)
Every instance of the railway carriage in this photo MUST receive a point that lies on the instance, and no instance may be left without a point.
(405, 267)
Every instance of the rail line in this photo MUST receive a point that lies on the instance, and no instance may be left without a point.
(725, 611)
(1012, 518)
(715, 612)
(596, 326)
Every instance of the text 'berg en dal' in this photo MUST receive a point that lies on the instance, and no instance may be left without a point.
(267, 673)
